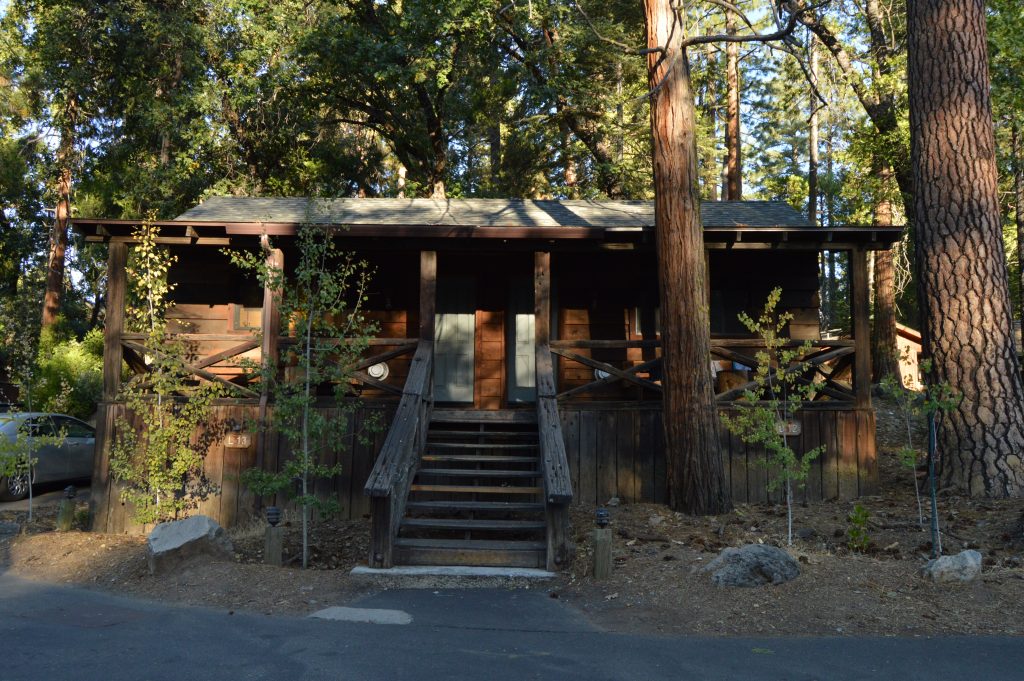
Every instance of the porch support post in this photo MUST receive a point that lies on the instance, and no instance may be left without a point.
(271, 330)
(113, 327)
(428, 293)
(861, 327)
(113, 323)
(542, 297)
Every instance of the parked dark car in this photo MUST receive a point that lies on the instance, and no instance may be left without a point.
(70, 460)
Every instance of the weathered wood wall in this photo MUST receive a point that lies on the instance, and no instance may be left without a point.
(614, 449)
(234, 503)
(617, 450)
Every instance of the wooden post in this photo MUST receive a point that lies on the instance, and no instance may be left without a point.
(542, 297)
(113, 327)
(861, 327)
(428, 293)
(602, 553)
(113, 324)
(271, 329)
(273, 546)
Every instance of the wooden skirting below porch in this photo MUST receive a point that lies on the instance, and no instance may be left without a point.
(613, 449)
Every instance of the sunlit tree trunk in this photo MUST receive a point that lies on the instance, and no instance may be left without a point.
(693, 453)
(884, 353)
(733, 144)
(59, 233)
(964, 285)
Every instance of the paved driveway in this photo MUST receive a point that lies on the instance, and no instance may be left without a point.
(51, 632)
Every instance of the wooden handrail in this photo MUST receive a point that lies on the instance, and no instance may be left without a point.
(554, 464)
(399, 457)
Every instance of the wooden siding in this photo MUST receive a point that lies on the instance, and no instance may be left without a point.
(234, 503)
(617, 450)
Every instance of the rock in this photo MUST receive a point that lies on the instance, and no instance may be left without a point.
(173, 543)
(656, 520)
(807, 533)
(752, 565)
(963, 567)
(614, 501)
(7, 528)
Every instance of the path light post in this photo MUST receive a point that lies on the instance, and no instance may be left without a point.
(66, 512)
(273, 543)
(602, 544)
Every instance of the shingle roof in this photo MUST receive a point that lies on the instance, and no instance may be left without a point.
(483, 212)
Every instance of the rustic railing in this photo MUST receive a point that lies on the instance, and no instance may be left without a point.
(824, 364)
(554, 465)
(399, 457)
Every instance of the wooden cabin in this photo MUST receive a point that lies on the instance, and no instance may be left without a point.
(517, 364)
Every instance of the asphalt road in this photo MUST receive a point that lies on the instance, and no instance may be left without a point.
(49, 632)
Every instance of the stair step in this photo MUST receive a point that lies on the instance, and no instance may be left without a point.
(475, 506)
(481, 458)
(473, 489)
(481, 445)
(480, 416)
(474, 524)
(470, 552)
(477, 473)
(511, 434)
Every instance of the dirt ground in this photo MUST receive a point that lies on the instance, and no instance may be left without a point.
(657, 584)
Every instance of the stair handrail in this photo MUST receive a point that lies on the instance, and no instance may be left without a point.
(399, 457)
(554, 463)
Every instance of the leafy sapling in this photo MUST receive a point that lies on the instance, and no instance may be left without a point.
(764, 414)
(322, 304)
(156, 455)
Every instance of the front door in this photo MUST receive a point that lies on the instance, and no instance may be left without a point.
(454, 338)
(522, 359)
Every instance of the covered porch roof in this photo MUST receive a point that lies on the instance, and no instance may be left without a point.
(727, 224)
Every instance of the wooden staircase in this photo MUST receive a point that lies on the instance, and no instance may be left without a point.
(477, 497)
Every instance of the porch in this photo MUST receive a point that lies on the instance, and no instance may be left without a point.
(553, 328)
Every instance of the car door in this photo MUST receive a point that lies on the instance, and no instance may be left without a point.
(50, 462)
(79, 445)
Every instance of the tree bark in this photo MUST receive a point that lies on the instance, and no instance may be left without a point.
(692, 450)
(1018, 209)
(812, 139)
(734, 161)
(884, 352)
(711, 169)
(59, 233)
(963, 285)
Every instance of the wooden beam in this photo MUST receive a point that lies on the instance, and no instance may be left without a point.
(113, 324)
(861, 327)
(542, 297)
(428, 293)
(271, 318)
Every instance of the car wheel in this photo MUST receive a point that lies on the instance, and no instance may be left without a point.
(14, 488)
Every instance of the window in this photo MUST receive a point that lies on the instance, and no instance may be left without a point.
(73, 427)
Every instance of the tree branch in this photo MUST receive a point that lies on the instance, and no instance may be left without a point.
(783, 32)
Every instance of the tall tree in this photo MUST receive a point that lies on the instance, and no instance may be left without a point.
(695, 473)
(963, 277)
(733, 189)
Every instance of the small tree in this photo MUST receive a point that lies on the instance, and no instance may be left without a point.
(766, 411)
(160, 465)
(322, 304)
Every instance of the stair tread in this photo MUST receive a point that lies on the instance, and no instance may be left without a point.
(473, 524)
(477, 473)
(515, 434)
(475, 489)
(463, 544)
(482, 445)
(475, 505)
(480, 416)
(482, 458)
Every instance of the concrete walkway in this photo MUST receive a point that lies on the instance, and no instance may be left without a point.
(51, 632)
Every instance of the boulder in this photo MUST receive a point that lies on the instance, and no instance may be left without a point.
(173, 543)
(752, 565)
(963, 567)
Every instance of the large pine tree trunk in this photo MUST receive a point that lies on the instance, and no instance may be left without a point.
(884, 353)
(734, 161)
(964, 287)
(692, 449)
(812, 138)
(1018, 209)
